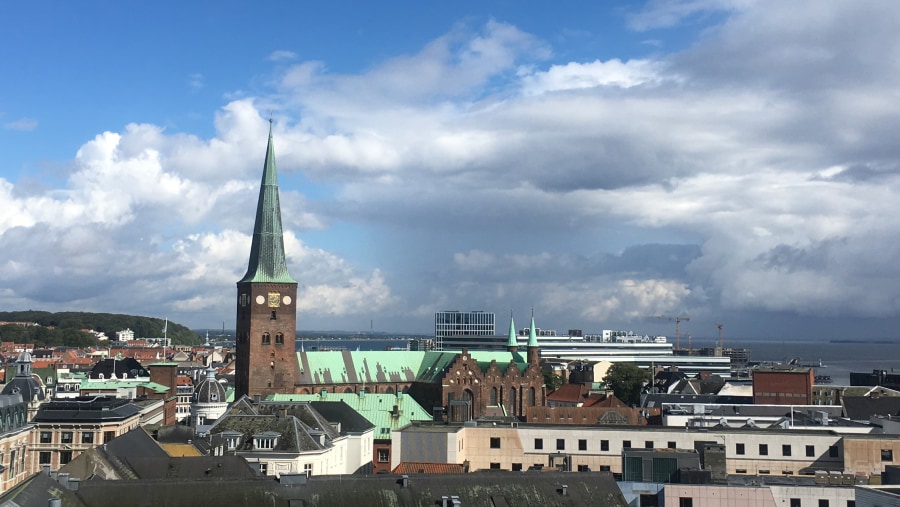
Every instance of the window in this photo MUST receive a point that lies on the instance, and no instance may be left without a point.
(266, 339)
(626, 444)
(307, 469)
(582, 444)
(516, 467)
(383, 456)
(648, 444)
(44, 458)
(740, 470)
(887, 455)
(810, 450)
(795, 502)
(671, 445)
(763, 449)
(264, 468)
(65, 457)
(833, 451)
(786, 449)
(823, 502)
(87, 437)
(66, 437)
(264, 443)
(685, 502)
(763, 472)
(495, 442)
(46, 437)
(560, 444)
(279, 339)
(584, 468)
(108, 435)
(495, 466)
(604, 445)
(538, 443)
(739, 449)
(605, 468)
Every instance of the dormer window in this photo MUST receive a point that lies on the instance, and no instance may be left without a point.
(265, 441)
(232, 439)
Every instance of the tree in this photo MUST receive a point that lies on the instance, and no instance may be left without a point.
(626, 381)
(553, 381)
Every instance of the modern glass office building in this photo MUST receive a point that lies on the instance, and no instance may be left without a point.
(454, 330)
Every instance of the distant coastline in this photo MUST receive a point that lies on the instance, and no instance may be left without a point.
(881, 342)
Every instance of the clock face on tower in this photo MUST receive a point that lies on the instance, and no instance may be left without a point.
(274, 300)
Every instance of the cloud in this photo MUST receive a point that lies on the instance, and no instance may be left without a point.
(22, 125)
(752, 174)
(196, 81)
(281, 55)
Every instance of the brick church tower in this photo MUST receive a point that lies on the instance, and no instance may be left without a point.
(266, 357)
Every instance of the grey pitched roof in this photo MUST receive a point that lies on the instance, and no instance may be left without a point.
(125, 367)
(860, 408)
(351, 421)
(85, 409)
(476, 489)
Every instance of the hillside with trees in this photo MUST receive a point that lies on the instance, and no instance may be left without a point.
(66, 328)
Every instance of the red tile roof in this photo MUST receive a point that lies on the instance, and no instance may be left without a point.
(428, 468)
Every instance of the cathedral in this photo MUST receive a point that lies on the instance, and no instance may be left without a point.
(459, 385)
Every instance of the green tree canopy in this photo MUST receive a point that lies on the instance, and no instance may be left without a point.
(626, 380)
(65, 328)
(553, 381)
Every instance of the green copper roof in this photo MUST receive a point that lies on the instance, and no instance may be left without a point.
(512, 342)
(372, 367)
(377, 408)
(88, 385)
(267, 259)
(532, 334)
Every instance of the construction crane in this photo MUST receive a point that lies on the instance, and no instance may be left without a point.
(720, 326)
(677, 320)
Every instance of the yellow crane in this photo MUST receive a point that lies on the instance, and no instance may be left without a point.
(677, 320)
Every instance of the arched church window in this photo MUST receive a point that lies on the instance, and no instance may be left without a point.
(266, 339)
(279, 339)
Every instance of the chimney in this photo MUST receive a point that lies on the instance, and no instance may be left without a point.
(404, 481)
(63, 479)
(565, 489)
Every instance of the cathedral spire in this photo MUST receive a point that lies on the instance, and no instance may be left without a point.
(532, 333)
(267, 258)
(512, 345)
(533, 350)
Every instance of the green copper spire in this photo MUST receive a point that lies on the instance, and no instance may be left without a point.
(267, 259)
(532, 334)
(512, 342)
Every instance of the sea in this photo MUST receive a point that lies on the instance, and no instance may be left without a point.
(835, 359)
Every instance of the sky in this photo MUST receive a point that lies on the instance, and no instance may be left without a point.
(602, 164)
